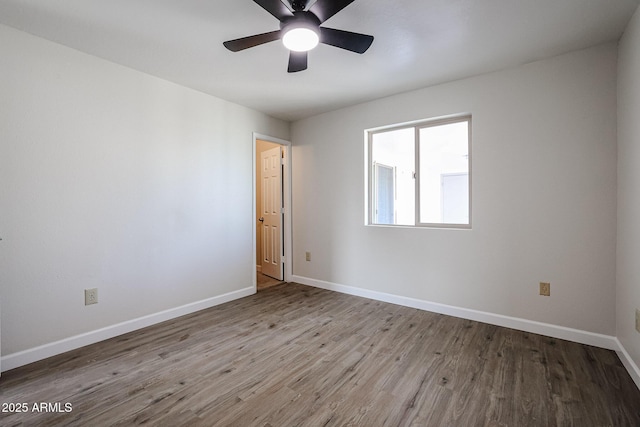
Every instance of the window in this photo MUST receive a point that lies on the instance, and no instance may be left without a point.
(419, 174)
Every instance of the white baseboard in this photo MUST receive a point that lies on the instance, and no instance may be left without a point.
(628, 363)
(25, 357)
(560, 332)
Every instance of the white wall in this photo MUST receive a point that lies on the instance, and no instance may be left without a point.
(114, 179)
(544, 196)
(628, 254)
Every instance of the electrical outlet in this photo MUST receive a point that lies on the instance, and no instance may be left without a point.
(545, 289)
(637, 320)
(90, 296)
(307, 256)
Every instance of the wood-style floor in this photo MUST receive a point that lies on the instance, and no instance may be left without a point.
(263, 281)
(292, 355)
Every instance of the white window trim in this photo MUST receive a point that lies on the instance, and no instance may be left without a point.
(417, 125)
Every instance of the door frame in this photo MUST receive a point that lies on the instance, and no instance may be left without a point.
(286, 199)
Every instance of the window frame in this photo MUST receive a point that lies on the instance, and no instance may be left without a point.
(417, 126)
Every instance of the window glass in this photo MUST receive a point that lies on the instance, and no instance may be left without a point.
(444, 173)
(393, 161)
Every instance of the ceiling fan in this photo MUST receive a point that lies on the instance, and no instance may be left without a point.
(300, 30)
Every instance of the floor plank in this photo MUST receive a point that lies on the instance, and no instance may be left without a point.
(294, 355)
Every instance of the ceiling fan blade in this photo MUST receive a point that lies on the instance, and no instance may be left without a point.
(325, 9)
(276, 8)
(297, 61)
(355, 42)
(251, 41)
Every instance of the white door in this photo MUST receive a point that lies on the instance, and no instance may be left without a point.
(271, 212)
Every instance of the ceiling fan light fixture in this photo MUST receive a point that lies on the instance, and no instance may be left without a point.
(301, 30)
(300, 39)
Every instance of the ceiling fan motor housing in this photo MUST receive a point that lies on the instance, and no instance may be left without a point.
(301, 19)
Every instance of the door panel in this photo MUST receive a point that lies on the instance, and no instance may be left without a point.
(271, 212)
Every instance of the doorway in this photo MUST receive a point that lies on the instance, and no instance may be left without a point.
(272, 207)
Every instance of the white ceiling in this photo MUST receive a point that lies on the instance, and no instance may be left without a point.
(417, 43)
